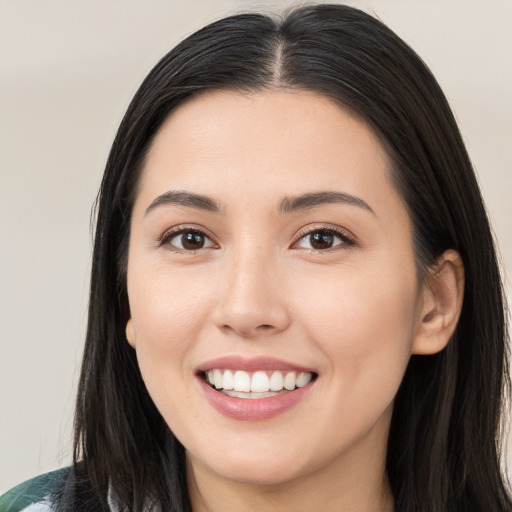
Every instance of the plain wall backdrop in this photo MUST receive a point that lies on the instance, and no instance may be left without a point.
(68, 70)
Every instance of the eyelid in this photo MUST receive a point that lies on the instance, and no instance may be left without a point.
(347, 238)
(169, 234)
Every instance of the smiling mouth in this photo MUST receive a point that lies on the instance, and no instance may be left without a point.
(258, 384)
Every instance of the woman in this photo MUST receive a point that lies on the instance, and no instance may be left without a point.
(295, 302)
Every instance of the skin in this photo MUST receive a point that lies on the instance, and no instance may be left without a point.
(354, 312)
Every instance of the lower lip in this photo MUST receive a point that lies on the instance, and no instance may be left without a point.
(253, 409)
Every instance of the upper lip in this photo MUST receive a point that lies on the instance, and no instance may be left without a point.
(251, 364)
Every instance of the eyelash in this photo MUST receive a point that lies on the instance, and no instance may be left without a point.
(180, 230)
(346, 240)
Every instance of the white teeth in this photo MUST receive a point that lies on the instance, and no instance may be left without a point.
(302, 379)
(276, 381)
(252, 395)
(289, 381)
(242, 381)
(228, 380)
(259, 383)
(217, 378)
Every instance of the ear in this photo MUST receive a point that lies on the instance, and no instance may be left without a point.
(130, 333)
(443, 293)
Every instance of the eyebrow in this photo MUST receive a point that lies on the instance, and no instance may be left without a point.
(314, 199)
(287, 205)
(188, 199)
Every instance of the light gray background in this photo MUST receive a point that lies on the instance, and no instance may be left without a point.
(67, 72)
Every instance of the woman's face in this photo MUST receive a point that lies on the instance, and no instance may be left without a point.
(270, 249)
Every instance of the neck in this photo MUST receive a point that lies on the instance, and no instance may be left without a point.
(356, 482)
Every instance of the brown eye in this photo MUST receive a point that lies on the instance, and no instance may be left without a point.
(187, 240)
(192, 241)
(323, 240)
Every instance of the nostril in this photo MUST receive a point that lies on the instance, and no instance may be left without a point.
(265, 327)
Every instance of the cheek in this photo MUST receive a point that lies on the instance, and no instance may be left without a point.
(165, 304)
(364, 324)
(166, 311)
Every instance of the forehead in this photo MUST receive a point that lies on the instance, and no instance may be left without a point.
(228, 143)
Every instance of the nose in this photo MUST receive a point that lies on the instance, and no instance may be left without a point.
(252, 300)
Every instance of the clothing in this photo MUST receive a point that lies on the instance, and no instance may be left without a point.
(36, 495)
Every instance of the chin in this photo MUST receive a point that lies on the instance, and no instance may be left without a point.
(265, 473)
(257, 467)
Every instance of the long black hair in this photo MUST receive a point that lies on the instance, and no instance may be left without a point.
(443, 448)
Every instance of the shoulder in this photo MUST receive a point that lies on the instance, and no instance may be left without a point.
(35, 494)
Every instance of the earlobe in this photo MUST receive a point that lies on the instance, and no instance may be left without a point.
(130, 333)
(442, 303)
